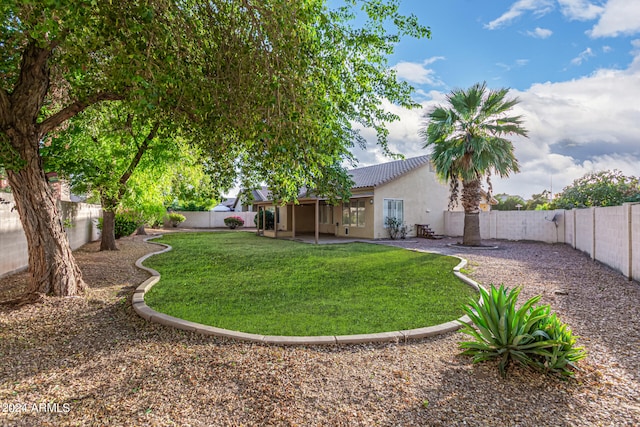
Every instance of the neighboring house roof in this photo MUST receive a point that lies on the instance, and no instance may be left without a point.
(377, 175)
(261, 195)
(229, 202)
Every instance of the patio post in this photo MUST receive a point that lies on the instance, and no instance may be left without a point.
(293, 220)
(258, 222)
(317, 216)
(275, 221)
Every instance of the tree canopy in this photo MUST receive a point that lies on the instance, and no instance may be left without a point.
(273, 86)
(604, 188)
(507, 202)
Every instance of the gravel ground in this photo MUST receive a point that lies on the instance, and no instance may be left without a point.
(95, 362)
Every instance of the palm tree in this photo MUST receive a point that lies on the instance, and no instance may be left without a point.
(467, 138)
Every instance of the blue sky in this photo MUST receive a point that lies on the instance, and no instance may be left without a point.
(574, 65)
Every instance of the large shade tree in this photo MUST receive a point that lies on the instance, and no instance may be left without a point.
(275, 85)
(126, 160)
(469, 145)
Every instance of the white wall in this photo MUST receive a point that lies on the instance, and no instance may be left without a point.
(212, 219)
(14, 255)
(635, 242)
(609, 235)
(513, 225)
(584, 226)
(612, 237)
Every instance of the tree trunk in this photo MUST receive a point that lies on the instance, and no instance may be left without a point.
(471, 203)
(471, 236)
(108, 236)
(141, 231)
(52, 268)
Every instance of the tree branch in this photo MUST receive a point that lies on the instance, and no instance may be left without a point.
(73, 109)
(136, 160)
(5, 105)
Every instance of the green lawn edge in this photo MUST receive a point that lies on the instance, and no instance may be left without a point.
(246, 283)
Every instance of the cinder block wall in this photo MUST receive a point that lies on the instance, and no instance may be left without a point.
(584, 230)
(611, 238)
(212, 219)
(14, 255)
(513, 225)
(635, 242)
(610, 235)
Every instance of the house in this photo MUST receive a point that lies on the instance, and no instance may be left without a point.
(405, 189)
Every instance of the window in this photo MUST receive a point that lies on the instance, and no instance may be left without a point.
(353, 213)
(393, 208)
(326, 214)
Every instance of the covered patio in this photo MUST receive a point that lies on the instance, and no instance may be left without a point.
(310, 218)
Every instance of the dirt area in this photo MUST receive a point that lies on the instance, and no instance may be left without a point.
(95, 362)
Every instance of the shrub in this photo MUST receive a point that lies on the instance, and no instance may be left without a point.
(125, 224)
(396, 228)
(269, 220)
(530, 335)
(564, 355)
(176, 218)
(233, 222)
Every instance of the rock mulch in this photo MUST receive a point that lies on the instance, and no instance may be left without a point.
(97, 363)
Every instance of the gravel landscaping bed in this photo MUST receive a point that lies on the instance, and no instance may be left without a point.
(95, 362)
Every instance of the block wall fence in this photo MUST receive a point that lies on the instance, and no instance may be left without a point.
(609, 235)
(14, 256)
(211, 219)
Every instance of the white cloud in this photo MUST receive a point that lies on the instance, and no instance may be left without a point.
(583, 56)
(517, 64)
(620, 17)
(520, 7)
(575, 127)
(580, 10)
(418, 73)
(540, 33)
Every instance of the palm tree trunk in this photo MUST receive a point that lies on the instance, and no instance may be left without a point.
(471, 203)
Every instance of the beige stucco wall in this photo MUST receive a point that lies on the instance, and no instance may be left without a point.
(421, 191)
(305, 218)
(365, 232)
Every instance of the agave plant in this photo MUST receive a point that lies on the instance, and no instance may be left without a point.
(505, 333)
(564, 355)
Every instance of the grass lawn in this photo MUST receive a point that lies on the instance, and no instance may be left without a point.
(259, 285)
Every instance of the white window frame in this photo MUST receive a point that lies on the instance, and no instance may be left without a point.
(390, 208)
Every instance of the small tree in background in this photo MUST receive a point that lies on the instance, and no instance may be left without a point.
(605, 188)
(508, 202)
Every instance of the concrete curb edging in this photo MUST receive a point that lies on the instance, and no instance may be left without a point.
(144, 311)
